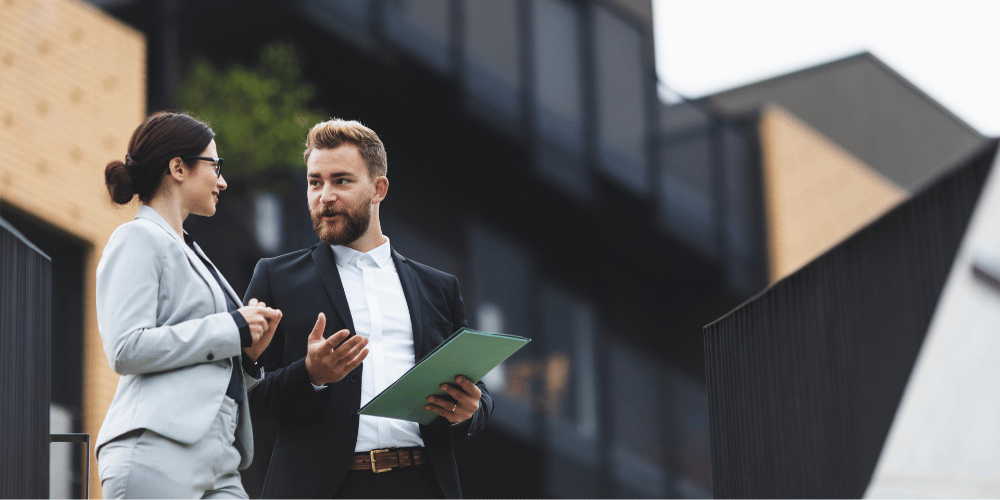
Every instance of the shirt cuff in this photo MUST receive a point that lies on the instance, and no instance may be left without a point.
(246, 339)
(249, 367)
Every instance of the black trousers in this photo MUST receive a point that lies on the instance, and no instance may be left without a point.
(416, 481)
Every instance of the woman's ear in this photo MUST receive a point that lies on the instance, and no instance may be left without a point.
(177, 169)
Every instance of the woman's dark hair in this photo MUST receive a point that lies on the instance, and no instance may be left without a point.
(162, 137)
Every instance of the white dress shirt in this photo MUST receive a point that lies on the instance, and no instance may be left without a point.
(380, 314)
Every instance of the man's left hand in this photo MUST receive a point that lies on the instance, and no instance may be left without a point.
(466, 400)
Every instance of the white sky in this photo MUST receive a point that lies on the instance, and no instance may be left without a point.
(949, 49)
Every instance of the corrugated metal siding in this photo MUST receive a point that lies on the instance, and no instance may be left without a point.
(804, 380)
(25, 301)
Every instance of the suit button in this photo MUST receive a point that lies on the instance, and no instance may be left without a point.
(211, 356)
(355, 378)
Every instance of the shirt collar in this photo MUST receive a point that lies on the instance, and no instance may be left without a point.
(345, 255)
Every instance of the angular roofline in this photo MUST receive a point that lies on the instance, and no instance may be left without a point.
(990, 147)
(866, 55)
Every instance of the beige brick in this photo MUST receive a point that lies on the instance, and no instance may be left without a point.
(816, 194)
(72, 89)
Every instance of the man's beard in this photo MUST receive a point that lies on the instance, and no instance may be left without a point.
(355, 223)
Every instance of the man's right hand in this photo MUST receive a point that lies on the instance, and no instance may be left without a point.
(325, 361)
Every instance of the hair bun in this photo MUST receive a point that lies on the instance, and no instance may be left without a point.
(131, 166)
(120, 180)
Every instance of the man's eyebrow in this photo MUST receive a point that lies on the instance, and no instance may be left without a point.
(316, 175)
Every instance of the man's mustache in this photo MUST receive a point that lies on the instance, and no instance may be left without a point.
(329, 213)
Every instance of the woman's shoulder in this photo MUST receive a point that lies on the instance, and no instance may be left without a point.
(141, 233)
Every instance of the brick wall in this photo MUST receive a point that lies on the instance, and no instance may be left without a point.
(72, 89)
(816, 194)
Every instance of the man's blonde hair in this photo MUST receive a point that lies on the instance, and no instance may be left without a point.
(336, 132)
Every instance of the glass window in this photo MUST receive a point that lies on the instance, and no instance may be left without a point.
(299, 232)
(566, 171)
(621, 100)
(268, 218)
(491, 67)
(348, 19)
(558, 103)
(638, 453)
(501, 299)
(744, 271)
(558, 76)
(568, 393)
(489, 318)
(693, 452)
(415, 244)
(569, 385)
(420, 27)
(685, 187)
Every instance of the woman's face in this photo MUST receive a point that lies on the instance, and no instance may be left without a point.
(202, 187)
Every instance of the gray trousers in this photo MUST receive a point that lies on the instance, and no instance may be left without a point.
(144, 464)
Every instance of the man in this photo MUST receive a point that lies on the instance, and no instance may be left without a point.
(386, 311)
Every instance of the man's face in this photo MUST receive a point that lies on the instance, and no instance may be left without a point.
(340, 194)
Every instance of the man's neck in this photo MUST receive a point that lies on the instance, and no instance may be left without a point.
(367, 242)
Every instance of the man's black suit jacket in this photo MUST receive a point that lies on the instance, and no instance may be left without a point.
(317, 430)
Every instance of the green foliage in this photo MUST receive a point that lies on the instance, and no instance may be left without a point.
(259, 114)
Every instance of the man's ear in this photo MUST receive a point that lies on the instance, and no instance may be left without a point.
(177, 169)
(381, 189)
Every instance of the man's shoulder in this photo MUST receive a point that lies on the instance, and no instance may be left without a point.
(288, 260)
(428, 272)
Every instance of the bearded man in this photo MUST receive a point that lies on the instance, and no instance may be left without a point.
(384, 312)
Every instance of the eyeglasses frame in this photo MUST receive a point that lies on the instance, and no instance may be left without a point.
(217, 162)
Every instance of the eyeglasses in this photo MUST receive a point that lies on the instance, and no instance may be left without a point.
(216, 162)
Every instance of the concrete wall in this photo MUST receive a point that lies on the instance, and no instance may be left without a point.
(943, 442)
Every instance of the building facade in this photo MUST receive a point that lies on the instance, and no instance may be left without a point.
(72, 89)
(522, 143)
(529, 155)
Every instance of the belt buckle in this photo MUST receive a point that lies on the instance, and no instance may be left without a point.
(371, 454)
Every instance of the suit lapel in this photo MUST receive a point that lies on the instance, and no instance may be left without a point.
(409, 282)
(327, 266)
(146, 212)
(226, 287)
(207, 276)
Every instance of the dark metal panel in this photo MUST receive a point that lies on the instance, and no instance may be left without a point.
(804, 380)
(25, 301)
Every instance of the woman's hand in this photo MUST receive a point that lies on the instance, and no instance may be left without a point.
(262, 320)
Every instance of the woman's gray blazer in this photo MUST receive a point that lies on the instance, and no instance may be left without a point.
(167, 332)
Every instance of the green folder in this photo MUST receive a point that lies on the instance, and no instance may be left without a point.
(466, 352)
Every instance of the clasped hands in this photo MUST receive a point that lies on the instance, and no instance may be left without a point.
(262, 320)
(329, 360)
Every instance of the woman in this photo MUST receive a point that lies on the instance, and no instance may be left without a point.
(179, 425)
